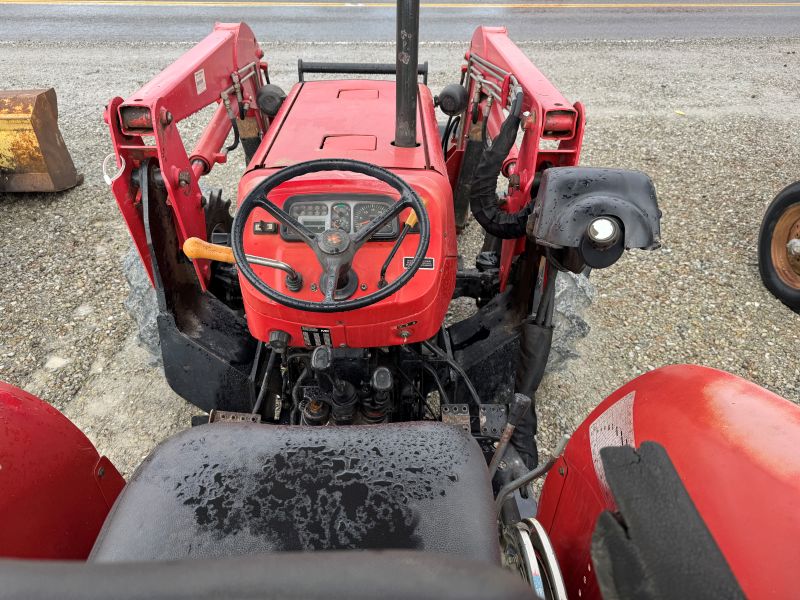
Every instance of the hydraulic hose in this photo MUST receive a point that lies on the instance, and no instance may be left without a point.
(294, 416)
(483, 197)
(235, 142)
(265, 383)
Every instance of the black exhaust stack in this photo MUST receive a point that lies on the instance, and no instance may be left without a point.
(405, 128)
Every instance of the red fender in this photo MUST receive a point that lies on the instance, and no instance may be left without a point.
(735, 447)
(55, 489)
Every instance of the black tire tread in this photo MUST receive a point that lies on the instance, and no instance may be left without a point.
(787, 294)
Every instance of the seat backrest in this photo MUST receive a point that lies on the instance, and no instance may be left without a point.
(325, 576)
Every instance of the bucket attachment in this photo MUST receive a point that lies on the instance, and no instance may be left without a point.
(33, 157)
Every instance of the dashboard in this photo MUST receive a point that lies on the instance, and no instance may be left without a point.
(348, 212)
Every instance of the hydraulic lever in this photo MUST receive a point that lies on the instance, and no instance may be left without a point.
(344, 397)
(196, 248)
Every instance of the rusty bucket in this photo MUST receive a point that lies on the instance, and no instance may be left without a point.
(33, 156)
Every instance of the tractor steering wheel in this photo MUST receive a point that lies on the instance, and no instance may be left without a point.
(334, 248)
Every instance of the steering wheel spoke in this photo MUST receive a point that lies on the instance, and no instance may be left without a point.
(330, 280)
(365, 233)
(285, 218)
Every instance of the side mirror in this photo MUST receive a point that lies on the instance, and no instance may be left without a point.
(593, 215)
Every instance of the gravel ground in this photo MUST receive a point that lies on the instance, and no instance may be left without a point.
(713, 122)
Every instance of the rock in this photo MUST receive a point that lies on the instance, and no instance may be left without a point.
(82, 311)
(56, 362)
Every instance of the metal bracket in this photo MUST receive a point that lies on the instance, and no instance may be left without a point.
(476, 284)
(456, 414)
(227, 416)
(493, 419)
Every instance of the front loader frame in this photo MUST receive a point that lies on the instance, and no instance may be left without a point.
(494, 72)
(225, 68)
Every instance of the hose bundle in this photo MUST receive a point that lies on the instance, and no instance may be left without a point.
(483, 199)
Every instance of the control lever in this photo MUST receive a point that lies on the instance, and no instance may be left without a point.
(375, 409)
(382, 382)
(517, 409)
(195, 248)
(321, 358)
(344, 397)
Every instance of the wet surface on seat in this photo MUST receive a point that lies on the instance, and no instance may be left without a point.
(312, 497)
(238, 489)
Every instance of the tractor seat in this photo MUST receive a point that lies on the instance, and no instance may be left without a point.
(239, 489)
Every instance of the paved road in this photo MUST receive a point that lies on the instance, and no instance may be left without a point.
(442, 20)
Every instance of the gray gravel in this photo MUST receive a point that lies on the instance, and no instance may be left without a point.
(713, 122)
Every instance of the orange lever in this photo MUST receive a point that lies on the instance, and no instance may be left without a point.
(196, 248)
(411, 220)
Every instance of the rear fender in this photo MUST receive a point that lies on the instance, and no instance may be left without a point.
(734, 447)
(55, 489)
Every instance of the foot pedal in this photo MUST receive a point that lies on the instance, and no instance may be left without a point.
(227, 416)
(456, 414)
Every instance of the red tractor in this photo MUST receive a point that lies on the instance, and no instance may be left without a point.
(323, 300)
(345, 413)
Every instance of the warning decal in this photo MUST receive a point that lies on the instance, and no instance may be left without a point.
(427, 263)
(614, 427)
(200, 81)
(316, 336)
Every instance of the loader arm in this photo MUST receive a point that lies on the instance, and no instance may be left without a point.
(496, 70)
(225, 68)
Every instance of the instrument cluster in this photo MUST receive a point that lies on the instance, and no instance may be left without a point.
(348, 212)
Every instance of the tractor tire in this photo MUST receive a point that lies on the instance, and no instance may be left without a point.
(574, 295)
(779, 267)
(141, 303)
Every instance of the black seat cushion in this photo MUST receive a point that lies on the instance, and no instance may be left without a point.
(234, 489)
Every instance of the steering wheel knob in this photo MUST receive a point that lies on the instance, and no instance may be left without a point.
(333, 241)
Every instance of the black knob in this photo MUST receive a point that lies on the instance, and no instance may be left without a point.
(269, 99)
(382, 380)
(279, 340)
(321, 358)
(453, 99)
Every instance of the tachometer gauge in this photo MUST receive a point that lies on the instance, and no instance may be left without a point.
(340, 217)
(364, 212)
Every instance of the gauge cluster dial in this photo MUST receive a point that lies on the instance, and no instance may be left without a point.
(364, 212)
(340, 216)
(348, 212)
(313, 215)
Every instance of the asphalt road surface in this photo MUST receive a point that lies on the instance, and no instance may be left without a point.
(441, 20)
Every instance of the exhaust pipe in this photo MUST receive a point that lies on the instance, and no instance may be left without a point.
(405, 128)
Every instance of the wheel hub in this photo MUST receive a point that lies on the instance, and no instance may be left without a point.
(785, 248)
